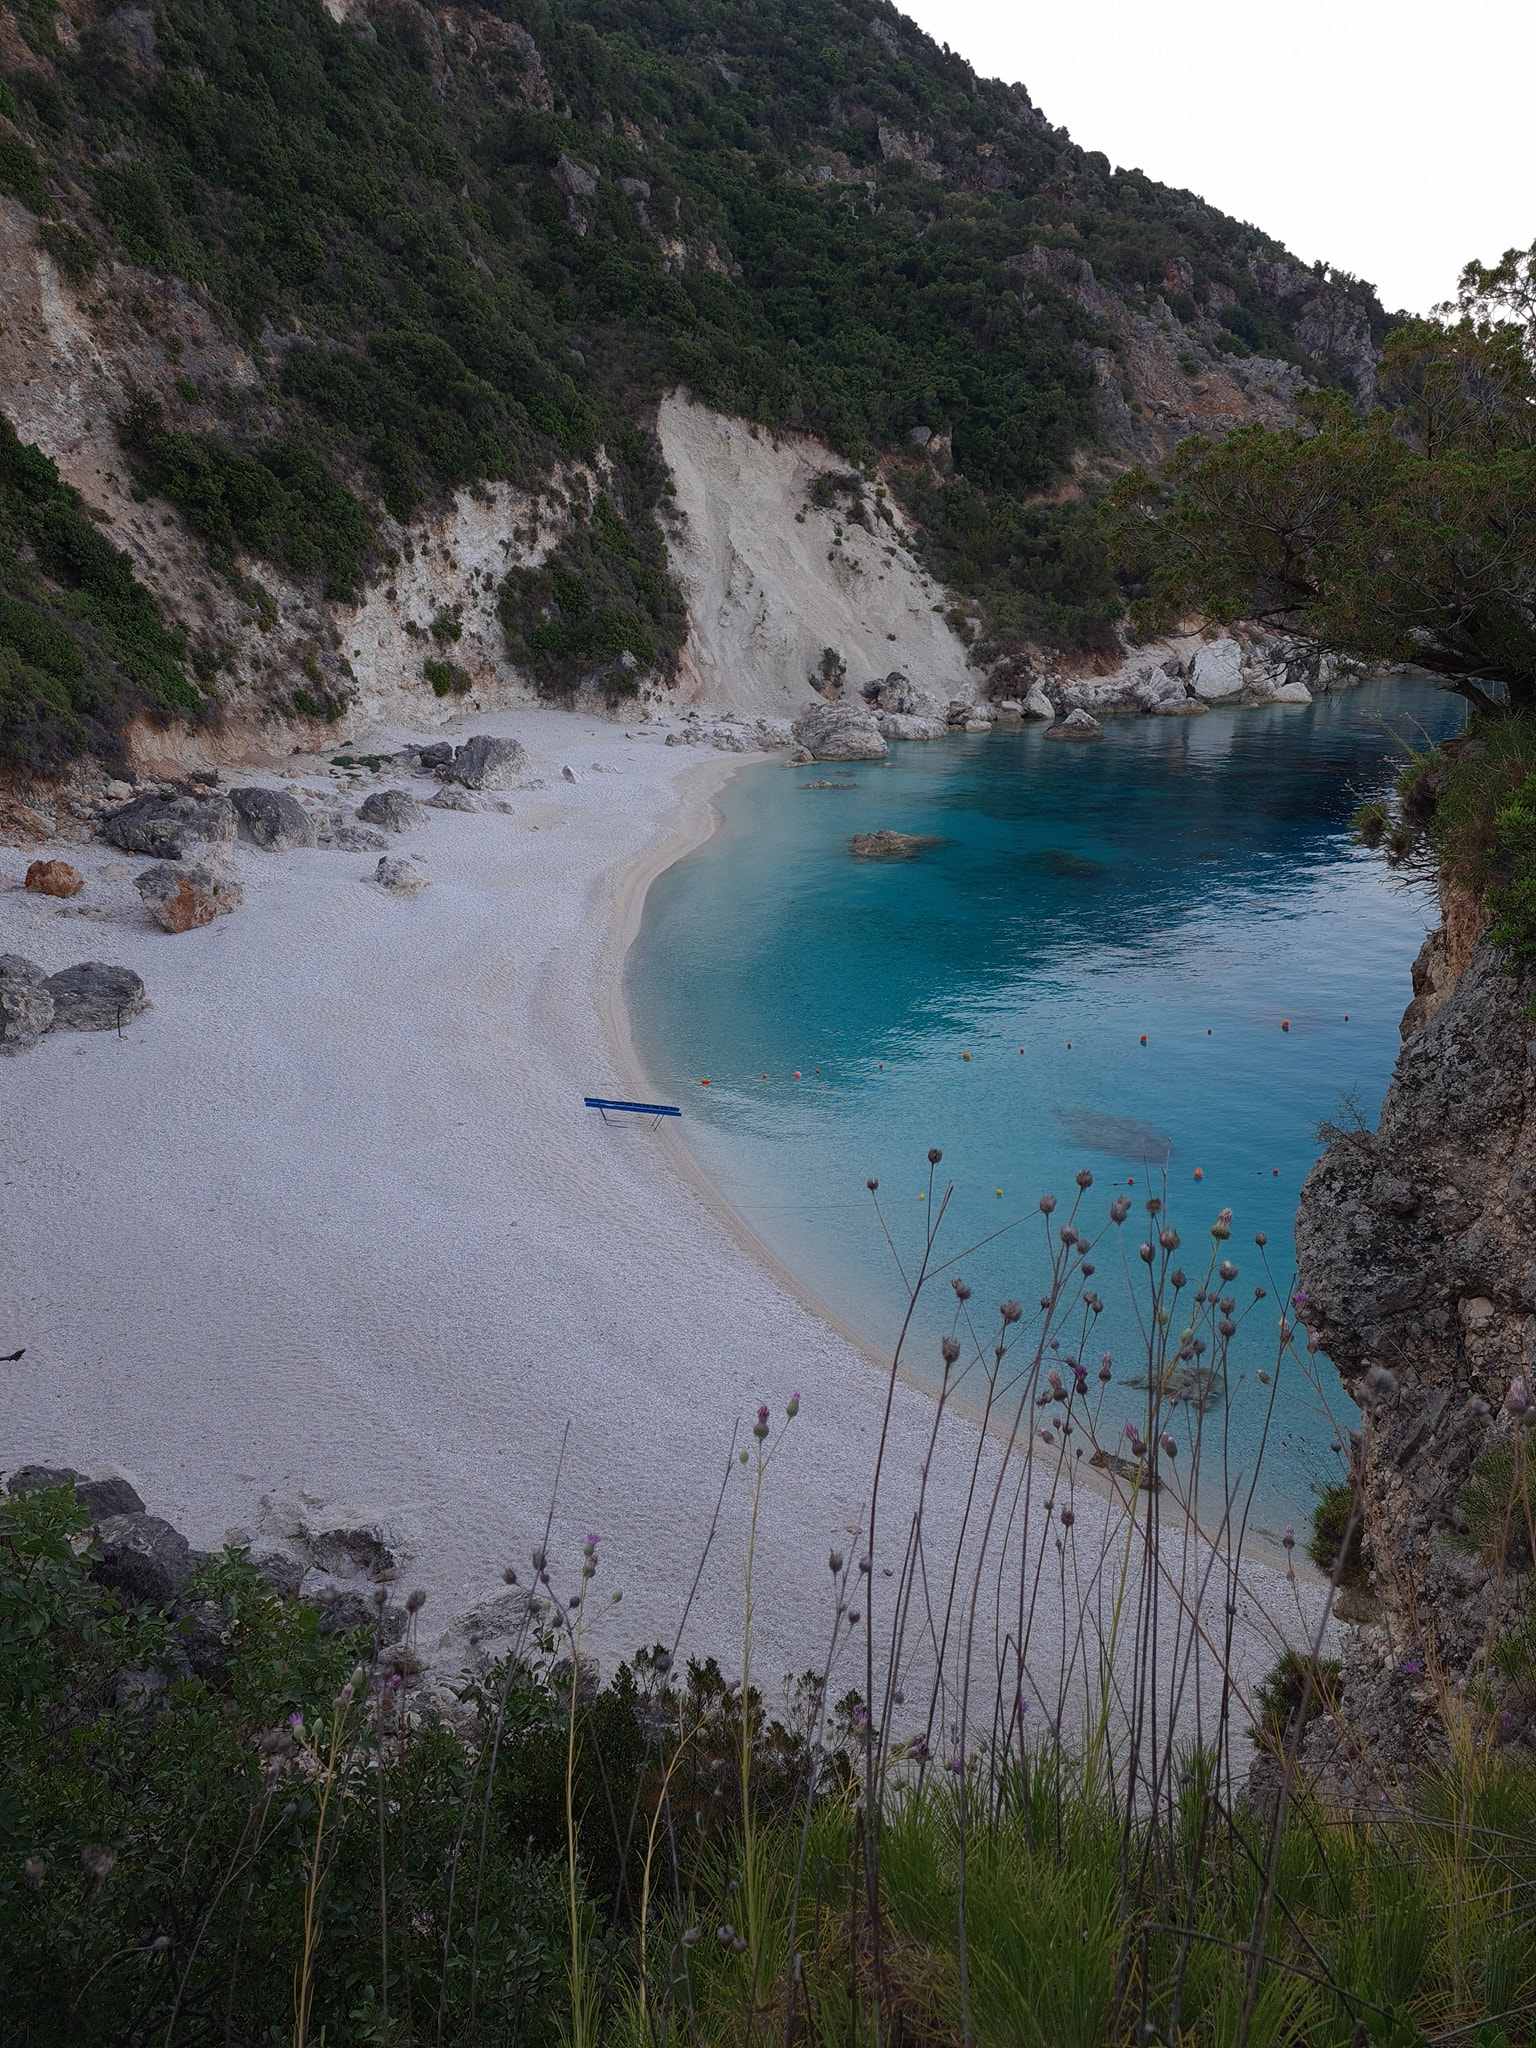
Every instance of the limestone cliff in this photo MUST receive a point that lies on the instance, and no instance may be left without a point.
(1417, 1257)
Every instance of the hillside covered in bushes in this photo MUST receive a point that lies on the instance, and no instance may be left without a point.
(450, 245)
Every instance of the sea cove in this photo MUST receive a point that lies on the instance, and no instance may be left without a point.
(1189, 883)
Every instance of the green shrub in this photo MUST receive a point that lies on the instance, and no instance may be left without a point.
(1299, 1688)
(1331, 1520)
(447, 678)
(605, 591)
(1498, 1505)
(83, 645)
(275, 499)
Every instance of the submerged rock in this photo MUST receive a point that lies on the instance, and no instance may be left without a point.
(182, 895)
(95, 996)
(839, 732)
(888, 845)
(824, 783)
(1065, 866)
(1123, 1137)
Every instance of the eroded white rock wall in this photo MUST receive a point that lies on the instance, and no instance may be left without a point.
(768, 590)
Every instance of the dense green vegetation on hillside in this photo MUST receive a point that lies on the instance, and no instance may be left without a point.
(459, 254)
(83, 647)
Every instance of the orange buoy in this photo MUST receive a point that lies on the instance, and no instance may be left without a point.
(1285, 1023)
(796, 1075)
(1199, 1173)
(1143, 1038)
(705, 1082)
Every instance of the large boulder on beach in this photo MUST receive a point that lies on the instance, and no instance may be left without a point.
(95, 996)
(26, 1007)
(888, 845)
(166, 827)
(1077, 725)
(273, 819)
(1216, 673)
(484, 762)
(142, 1559)
(99, 1497)
(393, 810)
(54, 878)
(401, 877)
(839, 732)
(181, 895)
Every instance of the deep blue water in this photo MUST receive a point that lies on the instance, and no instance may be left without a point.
(1192, 880)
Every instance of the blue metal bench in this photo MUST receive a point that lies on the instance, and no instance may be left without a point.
(655, 1110)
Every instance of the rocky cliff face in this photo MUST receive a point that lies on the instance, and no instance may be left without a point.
(1417, 1256)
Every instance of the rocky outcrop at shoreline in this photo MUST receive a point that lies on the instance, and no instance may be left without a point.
(1417, 1278)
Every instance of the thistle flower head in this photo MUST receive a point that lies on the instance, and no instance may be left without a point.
(792, 1406)
(962, 1290)
(1119, 1208)
(950, 1347)
(1047, 1204)
(1084, 1178)
(934, 1155)
(1010, 1311)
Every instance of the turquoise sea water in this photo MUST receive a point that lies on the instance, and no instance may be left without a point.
(1192, 880)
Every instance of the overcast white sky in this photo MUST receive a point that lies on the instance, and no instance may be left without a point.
(1391, 137)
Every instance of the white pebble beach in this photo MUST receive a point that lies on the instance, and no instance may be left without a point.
(327, 1233)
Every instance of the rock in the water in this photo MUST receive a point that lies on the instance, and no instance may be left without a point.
(839, 732)
(99, 1497)
(451, 799)
(54, 878)
(166, 826)
(888, 845)
(26, 1007)
(1216, 674)
(401, 877)
(95, 996)
(1038, 705)
(1124, 1137)
(1077, 725)
(142, 1559)
(396, 810)
(902, 725)
(487, 763)
(181, 895)
(824, 783)
(273, 819)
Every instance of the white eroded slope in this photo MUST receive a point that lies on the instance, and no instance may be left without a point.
(768, 591)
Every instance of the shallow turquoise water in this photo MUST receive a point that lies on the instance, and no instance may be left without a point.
(1192, 880)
